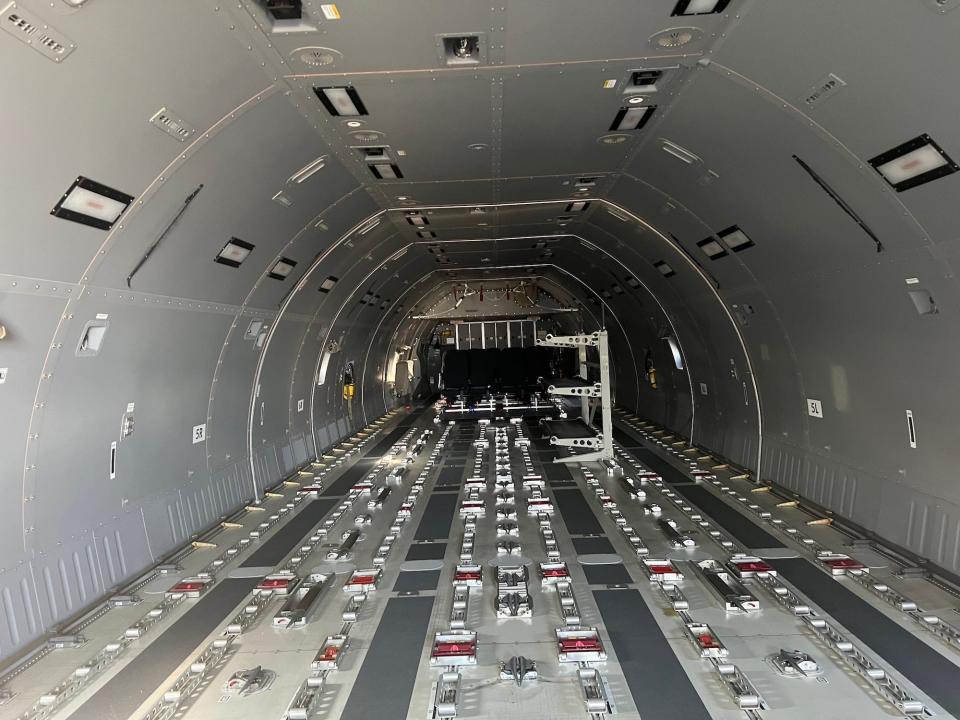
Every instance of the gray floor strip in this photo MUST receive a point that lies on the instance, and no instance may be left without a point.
(577, 515)
(437, 518)
(658, 683)
(427, 551)
(592, 546)
(557, 472)
(653, 461)
(289, 535)
(922, 665)
(607, 575)
(125, 691)
(730, 519)
(384, 685)
(416, 581)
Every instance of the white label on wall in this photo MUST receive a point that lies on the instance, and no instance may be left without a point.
(300, 405)
(199, 433)
(703, 388)
(3, 375)
(814, 408)
(102, 316)
(130, 407)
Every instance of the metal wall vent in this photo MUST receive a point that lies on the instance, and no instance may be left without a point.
(317, 56)
(34, 32)
(675, 37)
(172, 124)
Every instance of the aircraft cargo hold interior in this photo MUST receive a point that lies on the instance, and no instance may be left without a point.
(442, 359)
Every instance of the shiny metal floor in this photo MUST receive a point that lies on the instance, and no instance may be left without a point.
(672, 649)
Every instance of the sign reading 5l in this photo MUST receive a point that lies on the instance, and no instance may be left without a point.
(199, 433)
(814, 408)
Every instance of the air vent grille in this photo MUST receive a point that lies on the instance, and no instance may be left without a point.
(172, 124)
(675, 37)
(35, 33)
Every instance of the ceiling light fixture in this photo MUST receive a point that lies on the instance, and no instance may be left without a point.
(385, 171)
(577, 206)
(341, 101)
(282, 268)
(234, 252)
(699, 7)
(327, 285)
(712, 248)
(635, 100)
(90, 203)
(632, 118)
(735, 238)
(913, 163)
(664, 269)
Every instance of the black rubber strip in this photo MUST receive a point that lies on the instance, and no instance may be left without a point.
(427, 551)
(351, 476)
(658, 683)
(416, 580)
(436, 520)
(557, 472)
(612, 574)
(119, 698)
(384, 685)
(918, 662)
(577, 515)
(291, 534)
(729, 518)
(593, 546)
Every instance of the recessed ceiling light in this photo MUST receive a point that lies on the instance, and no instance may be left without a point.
(664, 269)
(308, 170)
(341, 101)
(612, 139)
(385, 171)
(713, 249)
(700, 7)
(354, 123)
(327, 285)
(635, 100)
(914, 163)
(577, 206)
(735, 238)
(632, 118)
(282, 268)
(402, 197)
(90, 203)
(234, 252)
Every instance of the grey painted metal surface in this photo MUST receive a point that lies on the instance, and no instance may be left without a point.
(812, 311)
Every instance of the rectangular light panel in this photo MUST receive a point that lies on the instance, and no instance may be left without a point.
(712, 248)
(282, 269)
(664, 269)
(327, 285)
(914, 163)
(234, 252)
(341, 101)
(632, 118)
(578, 206)
(90, 203)
(735, 239)
(700, 7)
(385, 171)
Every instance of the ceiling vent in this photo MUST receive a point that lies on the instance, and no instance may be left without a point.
(672, 38)
(35, 33)
(317, 56)
(462, 49)
(172, 124)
